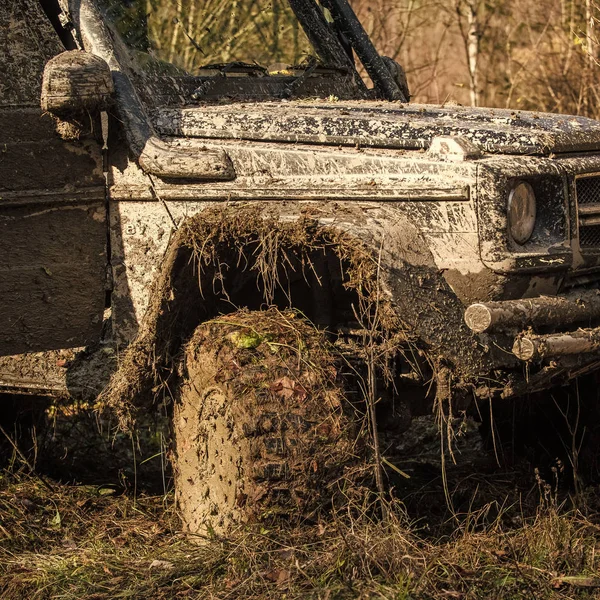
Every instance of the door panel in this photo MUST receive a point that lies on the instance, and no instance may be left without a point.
(52, 203)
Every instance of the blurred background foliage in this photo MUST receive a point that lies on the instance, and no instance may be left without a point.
(193, 33)
(521, 54)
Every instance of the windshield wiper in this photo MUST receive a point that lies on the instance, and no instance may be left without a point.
(291, 87)
(237, 67)
(222, 70)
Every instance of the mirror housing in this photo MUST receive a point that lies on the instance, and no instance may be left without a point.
(75, 83)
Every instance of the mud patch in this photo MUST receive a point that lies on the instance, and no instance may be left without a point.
(69, 131)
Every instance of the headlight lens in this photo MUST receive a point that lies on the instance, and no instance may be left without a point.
(521, 212)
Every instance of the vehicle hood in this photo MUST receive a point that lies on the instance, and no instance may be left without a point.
(384, 125)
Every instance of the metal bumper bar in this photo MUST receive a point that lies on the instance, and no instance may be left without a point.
(582, 341)
(546, 311)
(534, 312)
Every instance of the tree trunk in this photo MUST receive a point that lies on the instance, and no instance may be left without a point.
(473, 51)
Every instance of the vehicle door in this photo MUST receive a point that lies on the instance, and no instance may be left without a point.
(53, 233)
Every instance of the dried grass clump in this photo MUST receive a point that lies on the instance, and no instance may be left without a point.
(107, 547)
(209, 255)
(68, 539)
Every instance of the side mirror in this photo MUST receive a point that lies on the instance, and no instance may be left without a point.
(76, 83)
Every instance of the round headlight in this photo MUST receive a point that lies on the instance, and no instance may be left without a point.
(521, 212)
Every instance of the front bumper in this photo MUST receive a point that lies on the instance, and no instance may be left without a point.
(539, 324)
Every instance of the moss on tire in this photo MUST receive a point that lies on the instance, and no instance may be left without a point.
(262, 427)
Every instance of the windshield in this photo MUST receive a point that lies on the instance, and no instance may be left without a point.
(190, 34)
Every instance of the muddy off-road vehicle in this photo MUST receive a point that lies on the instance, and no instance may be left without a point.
(277, 252)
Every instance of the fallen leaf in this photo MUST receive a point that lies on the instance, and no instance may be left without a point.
(283, 387)
(285, 553)
(247, 341)
(119, 541)
(56, 520)
(161, 564)
(278, 576)
(284, 576)
(288, 388)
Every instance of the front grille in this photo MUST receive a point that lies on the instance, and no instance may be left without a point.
(589, 237)
(588, 190)
(588, 203)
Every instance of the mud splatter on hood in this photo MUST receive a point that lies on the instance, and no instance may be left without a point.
(385, 125)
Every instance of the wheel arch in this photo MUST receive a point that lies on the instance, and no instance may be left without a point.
(229, 256)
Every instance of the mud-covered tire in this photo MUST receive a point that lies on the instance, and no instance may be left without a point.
(262, 428)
